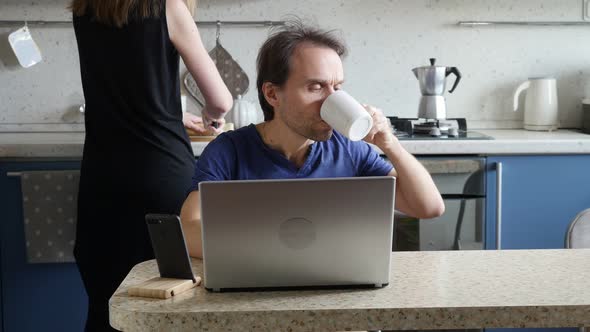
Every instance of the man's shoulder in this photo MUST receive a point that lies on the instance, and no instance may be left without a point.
(238, 135)
(233, 139)
(243, 131)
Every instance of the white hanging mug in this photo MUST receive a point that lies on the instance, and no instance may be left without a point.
(540, 109)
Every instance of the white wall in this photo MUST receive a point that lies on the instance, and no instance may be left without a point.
(387, 38)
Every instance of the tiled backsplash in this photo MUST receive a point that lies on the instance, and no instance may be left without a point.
(387, 38)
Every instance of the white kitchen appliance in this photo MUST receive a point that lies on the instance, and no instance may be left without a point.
(540, 107)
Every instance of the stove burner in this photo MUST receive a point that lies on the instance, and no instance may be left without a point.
(428, 125)
(413, 128)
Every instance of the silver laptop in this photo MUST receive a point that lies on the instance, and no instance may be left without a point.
(260, 234)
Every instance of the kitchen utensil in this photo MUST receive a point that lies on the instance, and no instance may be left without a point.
(541, 109)
(343, 113)
(432, 81)
(26, 50)
(244, 113)
(232, 74)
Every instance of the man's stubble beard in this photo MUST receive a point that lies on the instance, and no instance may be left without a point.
(308, 132)
(322, 137)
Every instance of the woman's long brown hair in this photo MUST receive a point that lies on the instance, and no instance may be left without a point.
(117, 12)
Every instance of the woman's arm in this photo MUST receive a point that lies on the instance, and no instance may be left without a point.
(185, 36)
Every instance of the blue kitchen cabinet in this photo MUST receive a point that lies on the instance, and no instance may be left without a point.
(34, 297)
(540, 195)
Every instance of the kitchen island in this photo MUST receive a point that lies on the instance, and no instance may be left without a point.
(528, 224)
(427, 290)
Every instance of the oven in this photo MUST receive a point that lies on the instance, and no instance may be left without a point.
(461, 182)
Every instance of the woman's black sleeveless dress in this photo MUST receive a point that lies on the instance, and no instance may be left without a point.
(137, 156)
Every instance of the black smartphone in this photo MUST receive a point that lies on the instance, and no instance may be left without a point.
(169, 246)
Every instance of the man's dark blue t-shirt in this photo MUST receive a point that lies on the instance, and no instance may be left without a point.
(242, 155)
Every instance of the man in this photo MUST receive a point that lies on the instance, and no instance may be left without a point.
(298, 68)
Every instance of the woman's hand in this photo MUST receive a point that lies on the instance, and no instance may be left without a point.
(202, 126)
(212, 124)
(193, 123)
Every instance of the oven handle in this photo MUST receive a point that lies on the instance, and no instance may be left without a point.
(460, 196)
(498, 206)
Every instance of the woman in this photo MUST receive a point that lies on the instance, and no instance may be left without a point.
(137, 156)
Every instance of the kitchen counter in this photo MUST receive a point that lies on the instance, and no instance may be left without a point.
(507, 142)
(69, 145)
(428, 290)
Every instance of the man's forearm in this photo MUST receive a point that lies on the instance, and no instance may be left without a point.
(193, 238)
(191, 225)
(420, 196)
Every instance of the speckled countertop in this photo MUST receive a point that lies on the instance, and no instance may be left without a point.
(508, 142)
(512, 141)
(428, 290)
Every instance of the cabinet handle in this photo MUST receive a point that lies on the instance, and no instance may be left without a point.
(498, 205)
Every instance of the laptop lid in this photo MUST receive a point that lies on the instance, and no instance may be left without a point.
(297, 232)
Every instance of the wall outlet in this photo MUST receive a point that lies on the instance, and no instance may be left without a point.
(586, 10)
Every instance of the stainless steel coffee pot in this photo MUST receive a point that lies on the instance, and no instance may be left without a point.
(433, 81)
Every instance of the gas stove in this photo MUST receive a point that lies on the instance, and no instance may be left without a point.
(423, 129)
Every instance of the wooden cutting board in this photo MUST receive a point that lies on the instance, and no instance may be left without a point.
(201, 138)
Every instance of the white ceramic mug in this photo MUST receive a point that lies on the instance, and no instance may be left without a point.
(343, 113)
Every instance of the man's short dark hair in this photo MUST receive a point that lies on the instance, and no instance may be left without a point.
(274, 57)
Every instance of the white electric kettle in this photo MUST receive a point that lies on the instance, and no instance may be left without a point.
(540, 108)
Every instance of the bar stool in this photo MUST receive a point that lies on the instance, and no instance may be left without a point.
(578, 236)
